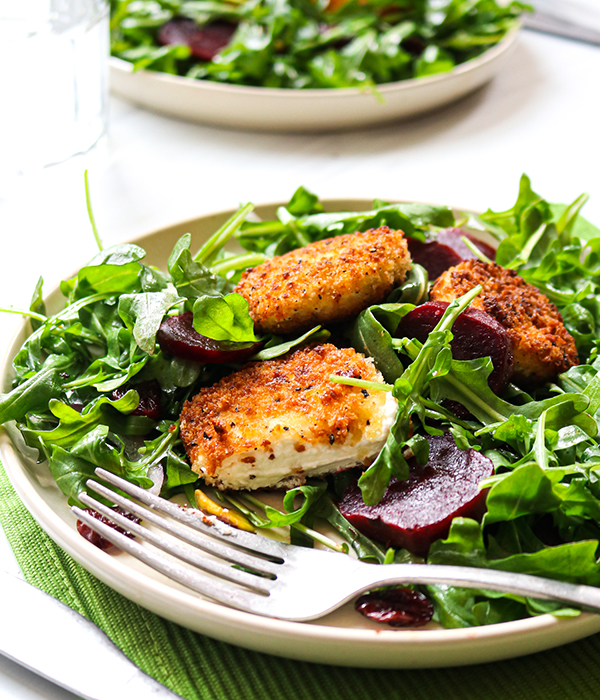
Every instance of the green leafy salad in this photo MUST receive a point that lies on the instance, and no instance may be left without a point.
(88, 381)
(306, 43)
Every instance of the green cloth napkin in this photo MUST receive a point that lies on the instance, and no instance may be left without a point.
(199, 668)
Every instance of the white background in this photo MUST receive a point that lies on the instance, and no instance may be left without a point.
(540, 116)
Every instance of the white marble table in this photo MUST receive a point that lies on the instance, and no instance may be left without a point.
(540, 116)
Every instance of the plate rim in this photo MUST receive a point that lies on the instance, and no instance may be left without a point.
(124, 67)
(115, 572)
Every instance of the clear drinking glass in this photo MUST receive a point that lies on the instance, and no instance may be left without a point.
(53, 81)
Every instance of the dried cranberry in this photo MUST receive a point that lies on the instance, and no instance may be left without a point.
(149, 392)
(204, 42)
(96, 539)
(77, 405)
(398, 607)
(178, 337)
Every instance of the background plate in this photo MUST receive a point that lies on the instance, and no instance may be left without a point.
(344, 637)
(277, 109)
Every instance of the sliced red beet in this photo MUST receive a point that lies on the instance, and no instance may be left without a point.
(149, 392)
(96, 539)
(476, 334)
(416, 512)
(435, 258)
(398, 607)
(447, 250)
(178, 337)
(452, 237)
(204, 42)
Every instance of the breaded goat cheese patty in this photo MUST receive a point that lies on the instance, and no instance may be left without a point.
(326, 282)
(542, 345)
(277, 422)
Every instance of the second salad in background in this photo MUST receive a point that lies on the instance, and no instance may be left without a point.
(304, 44)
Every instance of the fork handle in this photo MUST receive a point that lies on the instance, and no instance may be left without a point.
(526, 585)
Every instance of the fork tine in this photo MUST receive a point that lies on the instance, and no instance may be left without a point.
(240, 598)
(260, 546)
(173, 547)
(211, 545)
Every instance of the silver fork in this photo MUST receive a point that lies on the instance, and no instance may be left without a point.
(261, 576)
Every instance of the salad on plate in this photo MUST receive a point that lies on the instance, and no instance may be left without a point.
(418, 384)
(302, 44)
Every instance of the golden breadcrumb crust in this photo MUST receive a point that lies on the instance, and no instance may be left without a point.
(543, 347)
(263, 402)
(325, 282)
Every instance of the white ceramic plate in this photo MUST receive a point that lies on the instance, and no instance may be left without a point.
(277, 109)
(344, 637)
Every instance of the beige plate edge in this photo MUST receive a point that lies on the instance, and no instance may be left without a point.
(285, 110)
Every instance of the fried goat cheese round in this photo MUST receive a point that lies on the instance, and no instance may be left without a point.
(542, 345)
(272, 424)
(326, 282)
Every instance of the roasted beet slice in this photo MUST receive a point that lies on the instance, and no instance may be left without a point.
(447, 250)
(476, 334)
(149, 392)
(434, 257)
(96, 539)
(204, 42)
(177, 336)
(416, 512)
(398, 607)
(452, 237)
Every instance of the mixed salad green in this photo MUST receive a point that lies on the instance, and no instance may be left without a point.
(310, 44)
(78, 381)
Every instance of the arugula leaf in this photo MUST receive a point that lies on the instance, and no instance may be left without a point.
(310, 494)
(35, 393)
(73, 426)
(120, 254)
(364, 548)
(190, 278)
(107, 279)
(573, 561)
(216, 242)
(122, 361)
(143, 314)
(414, 289)
(37, 304)
(432, 61)
(177, 474)
(224, 318)
(303, 203)
(525, 490)
(70, 473)
(290, 231)
(72, 468)
(276, 346)
(372, 335)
